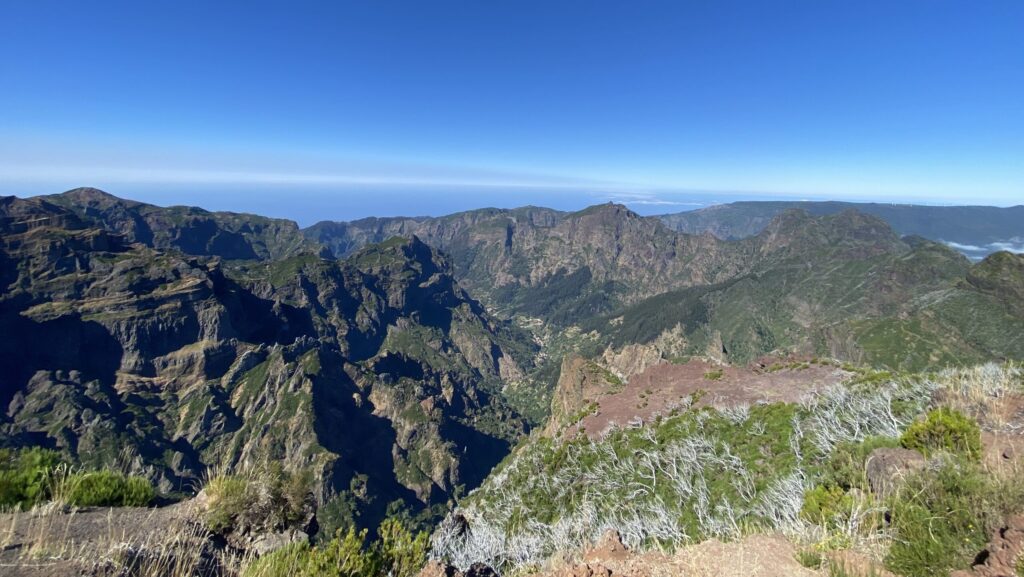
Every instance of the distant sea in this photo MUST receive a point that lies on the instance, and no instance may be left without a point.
(307, 204)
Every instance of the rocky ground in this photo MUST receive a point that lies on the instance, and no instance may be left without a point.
(48, 542)
(659, 388)
(752, 556)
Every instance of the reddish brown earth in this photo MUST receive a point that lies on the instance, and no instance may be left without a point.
(658, 389)
(1001, 556)
(752, 556)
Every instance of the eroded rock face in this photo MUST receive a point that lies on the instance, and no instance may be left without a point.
(551, 264)
(581, 382)
(1000, 557)
(378, 373)
(888, 467)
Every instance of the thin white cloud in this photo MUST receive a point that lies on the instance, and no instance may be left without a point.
(1015, 245)
(964, 247)
(648, 199)
(1012, 246)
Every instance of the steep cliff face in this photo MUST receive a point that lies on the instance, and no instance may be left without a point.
(581, 383)
(557, 266)
(379, 372)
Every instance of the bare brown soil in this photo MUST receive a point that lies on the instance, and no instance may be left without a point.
(656, 390)
(753, 556)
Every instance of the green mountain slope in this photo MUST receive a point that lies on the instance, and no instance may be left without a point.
(840, 286)
(979, 229)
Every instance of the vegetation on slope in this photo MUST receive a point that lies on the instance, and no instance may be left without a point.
(32, 476)
(700, 473)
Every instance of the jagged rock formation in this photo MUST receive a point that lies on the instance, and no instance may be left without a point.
(176, 339)
(557, 266)
(844, 285)
(581, 383)
(378, 372)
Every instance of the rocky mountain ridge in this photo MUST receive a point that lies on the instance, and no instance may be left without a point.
(378, 373)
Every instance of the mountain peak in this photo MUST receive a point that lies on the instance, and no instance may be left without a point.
(848, 230)
(606, 209)
(90, 195)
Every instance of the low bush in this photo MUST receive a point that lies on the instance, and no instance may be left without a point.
(397, 553)
(714, 374)
(944, 429)
(270, 498)
(942, 518)
(824, 505)
(25, 476)
(845, 467)
(34, 475)
(810, 558)
(105, 489)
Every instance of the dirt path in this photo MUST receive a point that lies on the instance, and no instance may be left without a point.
(50, 544)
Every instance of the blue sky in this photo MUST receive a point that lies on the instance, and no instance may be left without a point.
(338, 109)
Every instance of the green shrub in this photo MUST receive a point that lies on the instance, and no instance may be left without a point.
(397, 553)
(25, 476)
(34, 475)
(822, 505)
(269, 499)
(714, 375)
(228, 497)
(944, 429)
(340, 557)
(402, 553)
(942, 518)
(845, 467)
(809, 558)
(106, 489)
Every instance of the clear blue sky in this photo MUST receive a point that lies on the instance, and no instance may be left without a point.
(230, 104)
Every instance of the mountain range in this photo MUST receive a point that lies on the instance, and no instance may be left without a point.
(974, 230)
(400, 359)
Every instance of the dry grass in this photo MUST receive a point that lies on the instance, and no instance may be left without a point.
(991, 393)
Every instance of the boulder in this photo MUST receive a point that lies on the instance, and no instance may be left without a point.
(886, 468)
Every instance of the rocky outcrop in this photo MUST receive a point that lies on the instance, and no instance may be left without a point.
(887, 468)
(581, 383)
(1001, 558)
